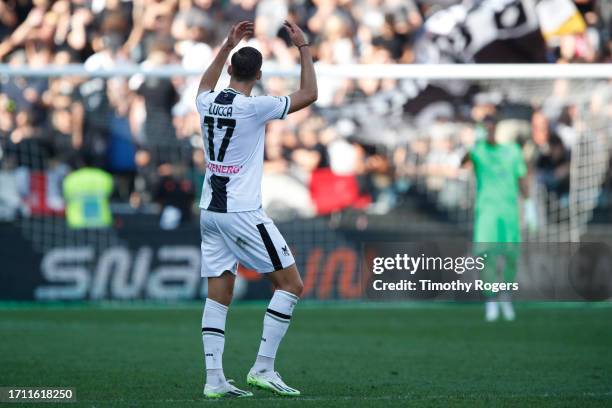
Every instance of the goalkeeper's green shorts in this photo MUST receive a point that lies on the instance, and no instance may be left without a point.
(497, 226)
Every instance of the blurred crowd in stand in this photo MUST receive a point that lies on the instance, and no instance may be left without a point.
(361, 145)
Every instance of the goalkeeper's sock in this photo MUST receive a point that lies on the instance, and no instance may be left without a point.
(506, 307)
(213, 337)
(276, 323)
(491, 310)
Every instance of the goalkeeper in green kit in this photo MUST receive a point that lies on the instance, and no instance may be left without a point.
(500, 172)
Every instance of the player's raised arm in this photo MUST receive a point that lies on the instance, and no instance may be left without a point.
(307, 93)
(212, 74)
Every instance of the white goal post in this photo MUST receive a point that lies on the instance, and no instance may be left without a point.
(353, 71)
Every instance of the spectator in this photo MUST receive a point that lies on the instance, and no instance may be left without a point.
(553, 167)
(86, 192)
(121, 148)
(175, 194)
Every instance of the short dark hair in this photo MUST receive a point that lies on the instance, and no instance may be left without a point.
(246, 63)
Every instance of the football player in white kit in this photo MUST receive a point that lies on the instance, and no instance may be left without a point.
(233, 225)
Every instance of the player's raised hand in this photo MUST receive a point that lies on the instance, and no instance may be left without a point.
(238, 32)
(295, 33)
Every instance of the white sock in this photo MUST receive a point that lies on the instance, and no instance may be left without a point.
(276, 323)
(213, 337)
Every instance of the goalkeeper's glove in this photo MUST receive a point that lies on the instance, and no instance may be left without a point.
(530, 214)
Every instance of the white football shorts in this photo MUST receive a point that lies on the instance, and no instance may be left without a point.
(248, 237)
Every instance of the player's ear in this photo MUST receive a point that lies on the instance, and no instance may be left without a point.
(229, 70)
(258, 76)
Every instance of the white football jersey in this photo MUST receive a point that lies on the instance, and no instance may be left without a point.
(233, 129)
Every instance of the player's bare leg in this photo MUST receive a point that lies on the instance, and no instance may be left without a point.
(289, 286)
(221, 288)
(220, 291)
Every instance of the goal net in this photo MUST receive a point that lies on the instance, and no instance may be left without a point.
(562, 126)
(388, 139)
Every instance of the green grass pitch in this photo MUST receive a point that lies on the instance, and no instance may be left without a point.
(339, 355)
